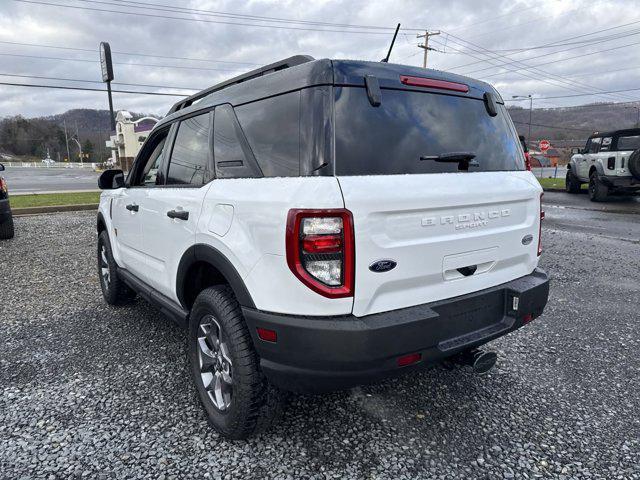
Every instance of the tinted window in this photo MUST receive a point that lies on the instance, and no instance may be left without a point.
(189, 164)
(391, 138)
(150, 173)
(146, 171)
(272, 127)
(606, 144)
(629, 143)
(232, 155)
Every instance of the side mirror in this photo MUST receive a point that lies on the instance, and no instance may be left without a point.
(111, 179)
(575, 151)
(1, 167)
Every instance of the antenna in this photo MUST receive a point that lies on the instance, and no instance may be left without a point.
(386, 59)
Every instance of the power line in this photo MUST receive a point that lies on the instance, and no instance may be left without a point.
(184, 67)
(88, 89)
(555, 43)
(93, 50)
(531, 68)
(566, 50)
(263, 18)
(151, 15)
(495, 17)
(96, 81)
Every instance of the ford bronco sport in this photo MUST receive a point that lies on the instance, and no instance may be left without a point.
(6, 218)
(609, 163)
(318, 224)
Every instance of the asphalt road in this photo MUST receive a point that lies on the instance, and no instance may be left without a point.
(37, 180)
(93, 391)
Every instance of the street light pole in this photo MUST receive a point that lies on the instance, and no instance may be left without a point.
(530, 97)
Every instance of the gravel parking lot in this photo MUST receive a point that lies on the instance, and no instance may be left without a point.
(99, 392)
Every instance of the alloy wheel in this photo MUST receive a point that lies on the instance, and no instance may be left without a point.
(215, 363)
(104, 266)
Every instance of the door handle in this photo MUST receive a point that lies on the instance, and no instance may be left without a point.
(132, 207)
(179, 214)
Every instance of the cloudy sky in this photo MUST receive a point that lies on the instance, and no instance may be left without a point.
(547, 48)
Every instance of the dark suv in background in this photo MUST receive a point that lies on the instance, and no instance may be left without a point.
(6, 219)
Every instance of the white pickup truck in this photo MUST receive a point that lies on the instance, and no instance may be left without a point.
(609, 163)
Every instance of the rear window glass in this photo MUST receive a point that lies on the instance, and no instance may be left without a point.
(272, 127)
(629, 143)
(391, 138)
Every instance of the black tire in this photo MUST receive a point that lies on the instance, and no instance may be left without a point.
(634, 164)
(6, 229)
(114, 290)
(572, 184)
(248, 404)
(598, 191)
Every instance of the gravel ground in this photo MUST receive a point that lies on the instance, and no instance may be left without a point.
(99, 392)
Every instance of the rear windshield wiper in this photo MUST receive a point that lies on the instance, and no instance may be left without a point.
(450, 157)
(463, 159)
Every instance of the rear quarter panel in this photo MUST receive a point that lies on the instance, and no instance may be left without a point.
(245, 219)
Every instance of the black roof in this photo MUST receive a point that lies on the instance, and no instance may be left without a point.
(303, 71)
(624, 132)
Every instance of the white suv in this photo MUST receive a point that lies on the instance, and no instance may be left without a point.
(609, 163)
(317, 224)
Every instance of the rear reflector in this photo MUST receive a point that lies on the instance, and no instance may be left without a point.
(409, 359)
(267, 335)
(433, 83)
(527, 318)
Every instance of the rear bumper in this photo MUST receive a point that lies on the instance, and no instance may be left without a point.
(624, 183)
(330, 353)
(5, 210)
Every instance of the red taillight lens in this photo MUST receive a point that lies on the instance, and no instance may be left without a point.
(322, 243)
(540, 227)
(433, 83)
(3, 185)
(321, 250)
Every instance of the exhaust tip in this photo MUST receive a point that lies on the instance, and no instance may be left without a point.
(483, 362)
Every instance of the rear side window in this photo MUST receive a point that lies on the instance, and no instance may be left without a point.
(231, 152)
(629, 143)
(190, 157)
(272, 127)
(391, 138)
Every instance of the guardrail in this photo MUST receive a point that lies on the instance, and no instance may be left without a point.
(91, 166)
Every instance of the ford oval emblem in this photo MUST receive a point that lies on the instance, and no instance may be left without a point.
(527, 239)
(380, 266)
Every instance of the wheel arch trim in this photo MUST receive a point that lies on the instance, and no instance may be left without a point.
(212, 256)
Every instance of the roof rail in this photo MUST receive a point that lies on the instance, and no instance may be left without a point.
(258, 72)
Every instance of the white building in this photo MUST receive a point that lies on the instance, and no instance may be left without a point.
(128, 138)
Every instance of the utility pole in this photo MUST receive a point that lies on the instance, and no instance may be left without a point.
(66, 139)
(425, 45)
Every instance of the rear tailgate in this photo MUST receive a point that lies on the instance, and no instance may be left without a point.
(449, 233)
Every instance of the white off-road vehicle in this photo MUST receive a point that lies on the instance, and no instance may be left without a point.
(609, 163)
(317, 224)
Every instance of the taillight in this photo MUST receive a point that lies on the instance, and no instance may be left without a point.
(320, 250)
(433, 83)
(3, 185)
(527, 161)
(540, 227)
